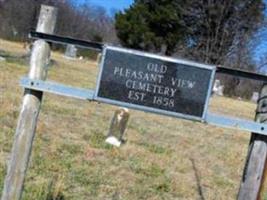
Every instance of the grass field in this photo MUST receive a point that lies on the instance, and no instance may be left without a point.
(164, 158)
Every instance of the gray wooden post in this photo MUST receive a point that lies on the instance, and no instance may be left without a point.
(26, 126)
(255, 167)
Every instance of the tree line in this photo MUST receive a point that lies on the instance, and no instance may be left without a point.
(217, 32)
(85, 21)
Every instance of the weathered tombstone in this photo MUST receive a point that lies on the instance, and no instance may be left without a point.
(98, 58)
(117, 128)
(2, 59)
(218, 88)
(255, 97)
(71, 51)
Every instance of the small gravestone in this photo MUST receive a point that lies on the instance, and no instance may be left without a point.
(71, 52)
(117, 128)
(2, 59)
(218, 88)
(255, 97)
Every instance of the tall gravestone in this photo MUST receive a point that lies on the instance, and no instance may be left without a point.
(71, 51)
(218, 88)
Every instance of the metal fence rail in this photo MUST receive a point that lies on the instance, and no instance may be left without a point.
(96, 46)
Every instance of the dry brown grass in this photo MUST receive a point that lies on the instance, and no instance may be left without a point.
(164, 158)
(13, 47)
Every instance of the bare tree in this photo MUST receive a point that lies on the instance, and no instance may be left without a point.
(84, 22)
(218, 29)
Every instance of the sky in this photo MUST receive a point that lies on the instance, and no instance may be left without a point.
(110, 5)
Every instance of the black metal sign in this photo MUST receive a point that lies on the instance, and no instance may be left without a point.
(149, 82)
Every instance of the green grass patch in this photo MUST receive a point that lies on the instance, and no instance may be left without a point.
(45, 190)
(153, 148)
(140, 167)
(97, 140)
(162, 187)
(71, 149)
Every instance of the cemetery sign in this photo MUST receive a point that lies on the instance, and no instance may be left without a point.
(151, 83)
(154, 83)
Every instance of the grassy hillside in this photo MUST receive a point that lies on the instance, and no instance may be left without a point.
(164, 158)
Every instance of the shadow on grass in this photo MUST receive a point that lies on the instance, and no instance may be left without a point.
(199, 187)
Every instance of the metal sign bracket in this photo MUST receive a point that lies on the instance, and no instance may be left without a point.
(57, 88)
(89, 94)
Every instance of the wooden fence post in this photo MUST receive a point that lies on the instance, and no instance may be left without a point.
(251, 187)
(22, 145)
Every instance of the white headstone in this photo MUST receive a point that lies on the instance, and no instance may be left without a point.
(218, 88)
(255, 97)
(117, 128)
(71, 51)
(113, 141)
(2, 59)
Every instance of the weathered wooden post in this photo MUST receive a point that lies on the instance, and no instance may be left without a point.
(26, 126)
(255, 167)
(117, 127)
